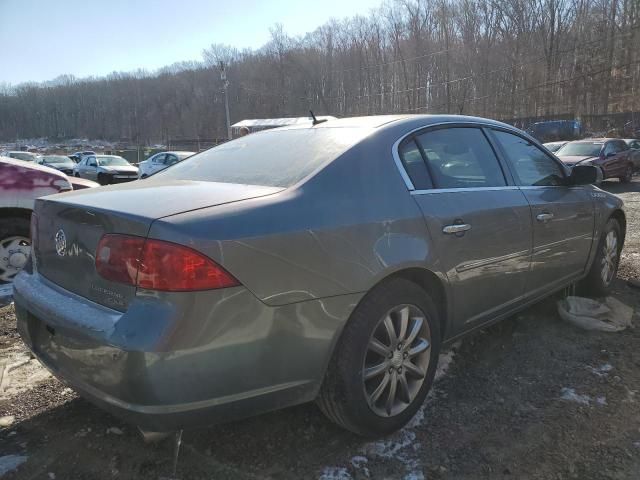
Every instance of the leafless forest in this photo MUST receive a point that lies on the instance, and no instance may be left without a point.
(514, 60)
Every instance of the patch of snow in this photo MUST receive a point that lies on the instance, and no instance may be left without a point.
(570, 395)
(11, 462)
(360, 463)
(602, 370)
(7, 420)
(335, 473)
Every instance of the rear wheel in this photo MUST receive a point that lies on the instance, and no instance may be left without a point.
(15, 247)
(628, 175)
(605, 265)
(385, 361)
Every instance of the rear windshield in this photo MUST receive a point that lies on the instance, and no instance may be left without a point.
(581, 149)
(277, 158)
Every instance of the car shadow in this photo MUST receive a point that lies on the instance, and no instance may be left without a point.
(615, 187)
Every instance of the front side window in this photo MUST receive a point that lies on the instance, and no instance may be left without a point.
(532, 166)
(159, 158)
(460, 158)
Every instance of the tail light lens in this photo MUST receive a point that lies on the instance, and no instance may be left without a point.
(157, 265)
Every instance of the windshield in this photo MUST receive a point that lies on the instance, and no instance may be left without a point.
(110, 161)
(29, 157)
(57, 159)
(277, 158)
(582, 149)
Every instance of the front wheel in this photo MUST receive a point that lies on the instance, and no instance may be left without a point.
(628, 175)
(103, 179)
(385, 361)
(605, 265)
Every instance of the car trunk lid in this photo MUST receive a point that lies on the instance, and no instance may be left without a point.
(70, 226)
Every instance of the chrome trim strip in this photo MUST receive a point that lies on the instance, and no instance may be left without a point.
(460, 124)
(465, 189)
(489, 261)
(541, 248)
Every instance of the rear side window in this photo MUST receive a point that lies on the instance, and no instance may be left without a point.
(460, 158)
(532, 166)
(414, 165)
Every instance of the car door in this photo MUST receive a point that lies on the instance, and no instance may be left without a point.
(479, 221)
(562, 216)
(91, 168)
(615, 159)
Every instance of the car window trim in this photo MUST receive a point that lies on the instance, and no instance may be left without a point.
(412, 134)
(503, 155)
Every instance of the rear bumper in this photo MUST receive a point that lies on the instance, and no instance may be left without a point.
(165, 366)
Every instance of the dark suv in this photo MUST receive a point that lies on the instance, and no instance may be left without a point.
(612, 155)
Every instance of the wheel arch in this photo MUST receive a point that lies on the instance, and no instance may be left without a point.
(434, 286)
(619, 215)
(15, 212)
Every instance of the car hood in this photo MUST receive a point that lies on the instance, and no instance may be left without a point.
(140, 199)
(574, 159)
(79, 183)
(119, 168)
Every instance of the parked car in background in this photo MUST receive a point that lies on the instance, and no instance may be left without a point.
(634, 151)
(20, 184)
(105, 169)
(325, 262)
(80, 155)
(611, 155)
(554, 146)
(24, 156)
(160, 161)
(75, 158)
(59, 162)
(556, 130)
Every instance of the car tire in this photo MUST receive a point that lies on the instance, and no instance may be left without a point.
(361, 405)
(144, 175)
(103, 179)
(76, 175)
(11, 230)
(604, 269)
(628, 175)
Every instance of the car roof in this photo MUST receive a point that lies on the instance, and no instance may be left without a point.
(383, 121)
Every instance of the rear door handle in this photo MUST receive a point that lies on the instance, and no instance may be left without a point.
(457, 228)
(544, 217)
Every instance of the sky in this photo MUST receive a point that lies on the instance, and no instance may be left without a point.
(42, 39)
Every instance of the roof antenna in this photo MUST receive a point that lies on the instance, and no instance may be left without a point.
(315, 120)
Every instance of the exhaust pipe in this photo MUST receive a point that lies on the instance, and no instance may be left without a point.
(154, 437)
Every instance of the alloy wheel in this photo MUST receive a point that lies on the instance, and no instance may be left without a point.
(609, 257)
(14, 252)
(397, 360)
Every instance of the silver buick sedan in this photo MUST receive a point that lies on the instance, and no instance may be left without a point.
(329, 262)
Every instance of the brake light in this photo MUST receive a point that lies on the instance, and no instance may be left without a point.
(158, 265)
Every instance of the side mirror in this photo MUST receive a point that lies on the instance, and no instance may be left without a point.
(585, 175)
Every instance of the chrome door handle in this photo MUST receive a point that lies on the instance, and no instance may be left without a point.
(544, 217)
(458, 228)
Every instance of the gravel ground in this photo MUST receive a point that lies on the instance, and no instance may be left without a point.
(532, 397)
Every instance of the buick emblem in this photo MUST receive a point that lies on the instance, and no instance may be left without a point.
(61, 243)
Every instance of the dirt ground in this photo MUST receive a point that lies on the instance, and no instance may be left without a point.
(532, 397)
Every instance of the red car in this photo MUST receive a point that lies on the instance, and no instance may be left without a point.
(612, 155)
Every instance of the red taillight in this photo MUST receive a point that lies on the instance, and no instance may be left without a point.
(157, 265)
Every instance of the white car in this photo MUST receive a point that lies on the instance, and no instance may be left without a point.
(160, 161)
(24, 156)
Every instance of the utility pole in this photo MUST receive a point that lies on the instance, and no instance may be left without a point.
(225, 83)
